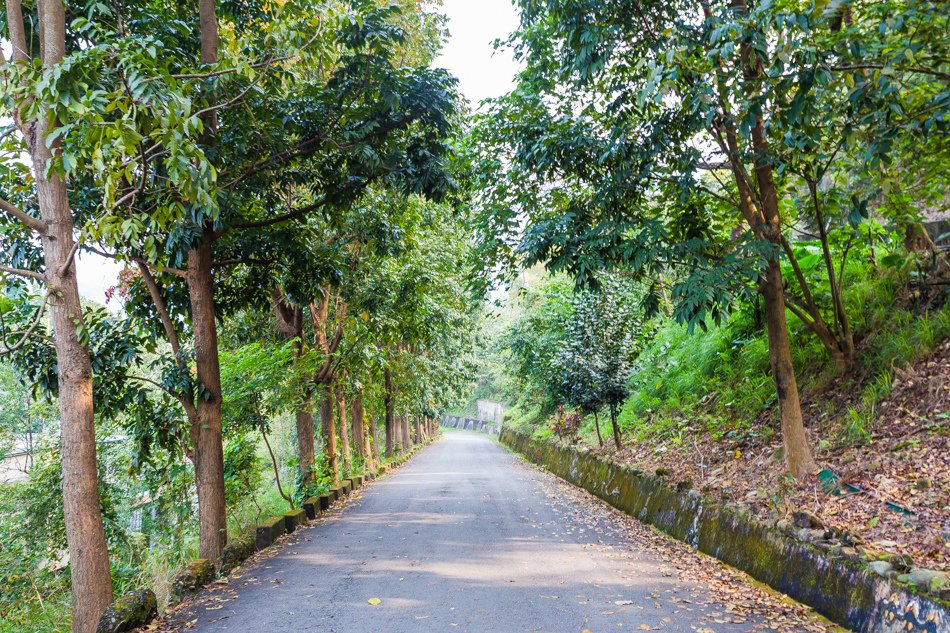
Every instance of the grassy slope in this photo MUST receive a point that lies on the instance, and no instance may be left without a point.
(702, 408)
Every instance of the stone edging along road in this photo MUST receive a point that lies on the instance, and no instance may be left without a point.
(840, 587)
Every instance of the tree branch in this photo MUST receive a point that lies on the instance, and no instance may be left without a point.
(9, 349)
(189, 406)
(186, 399)
(20, 272)
(27, 220)
(810, 304)
(160, 306)
(250, 261)
(178, 272)
(796, 307)
(913, 69)
(296, 213)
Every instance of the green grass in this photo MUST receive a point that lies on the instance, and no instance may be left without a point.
(720, 380)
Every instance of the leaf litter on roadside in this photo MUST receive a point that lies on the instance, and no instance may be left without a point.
(721, 594)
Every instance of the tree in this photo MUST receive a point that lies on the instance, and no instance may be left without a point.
(659, 136)
(34, 61)
(258, 383)
(312, 146)
(290, 323)
(194, 155)
(602, 336)
(535, 341)
(419, 317)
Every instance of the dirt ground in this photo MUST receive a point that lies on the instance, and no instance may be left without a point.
(892, 492)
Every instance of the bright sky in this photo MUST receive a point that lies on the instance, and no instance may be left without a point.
(469, 55)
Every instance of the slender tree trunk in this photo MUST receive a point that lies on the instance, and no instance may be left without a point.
(329, 433)
(374, 449)
(406, 436)
(417, 428)
(843, 351)
(390, 413)
(206, 434)
(600, 438)
(305, 443)
(360, 439)
(273, 461)
(398, 439)
(290, 323)
(616, 427)
(797, 453)
(344, 431)
(762, 213)
(85, 536)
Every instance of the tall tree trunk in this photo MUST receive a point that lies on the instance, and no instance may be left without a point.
(358, 426)
(398, 440)
(305, 443)
(615, 426)
(600, 438)
(85, 535)
(374, 448)
(344, 431)
(329, 433)
(290, 323)
(797, 452)
(406, 436)
(417, 429)
(762, 213)
(206, 434)
(328, 425)
(390, 413)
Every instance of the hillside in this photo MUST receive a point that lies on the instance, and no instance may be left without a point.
(701, 410)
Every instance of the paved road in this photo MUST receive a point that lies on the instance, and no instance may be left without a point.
(465, 537)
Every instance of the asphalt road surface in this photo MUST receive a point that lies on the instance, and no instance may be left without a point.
(464, 537)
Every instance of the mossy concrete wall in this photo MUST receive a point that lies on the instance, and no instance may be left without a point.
(840, 588)
(128, 612)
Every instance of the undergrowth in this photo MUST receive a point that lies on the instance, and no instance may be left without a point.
(719, 381)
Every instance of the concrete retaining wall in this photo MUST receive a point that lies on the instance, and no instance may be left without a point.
(469, 424)
(839, 587)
